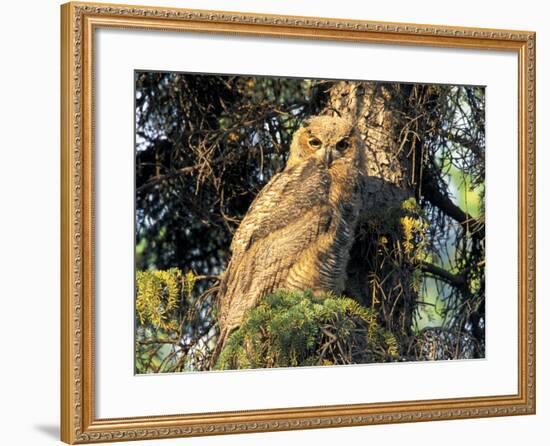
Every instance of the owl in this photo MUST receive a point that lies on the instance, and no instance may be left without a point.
(298, 231)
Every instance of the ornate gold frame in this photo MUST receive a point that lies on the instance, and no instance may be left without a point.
(78, 423)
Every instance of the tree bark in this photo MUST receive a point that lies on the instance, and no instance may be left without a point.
(379, 275)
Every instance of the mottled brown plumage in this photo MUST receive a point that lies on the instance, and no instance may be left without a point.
(298, 231)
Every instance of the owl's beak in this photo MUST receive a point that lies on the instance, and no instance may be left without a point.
(328, 156)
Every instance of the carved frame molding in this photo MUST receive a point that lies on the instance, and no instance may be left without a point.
(78, 424)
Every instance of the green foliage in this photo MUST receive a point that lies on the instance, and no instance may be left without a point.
(413, 229)
(405, 223)
(396, 237)
(288, 329)
(161, 298)
(158, 296)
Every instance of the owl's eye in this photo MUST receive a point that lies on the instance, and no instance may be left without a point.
(315, 143)
(342, 144)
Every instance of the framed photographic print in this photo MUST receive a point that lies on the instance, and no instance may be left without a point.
(276, 223)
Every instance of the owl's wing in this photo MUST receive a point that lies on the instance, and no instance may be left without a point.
(287, 196)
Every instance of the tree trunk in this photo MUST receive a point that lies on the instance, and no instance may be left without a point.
(380, 273)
